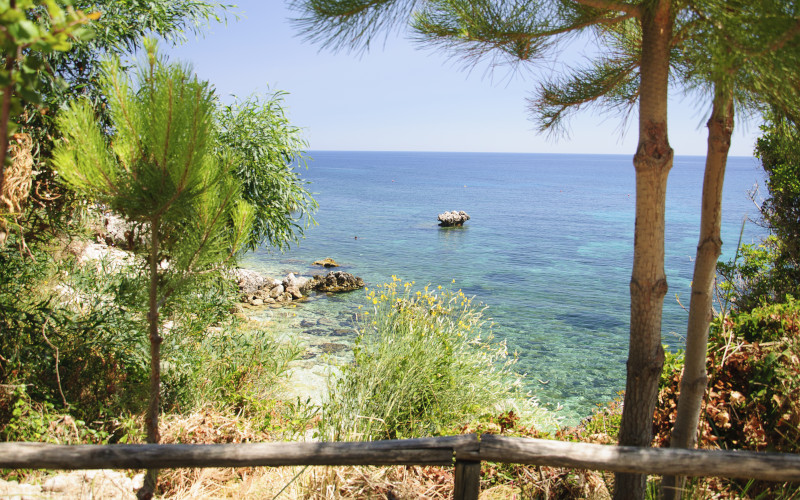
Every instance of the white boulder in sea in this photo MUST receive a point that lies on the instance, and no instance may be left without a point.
(454, 218)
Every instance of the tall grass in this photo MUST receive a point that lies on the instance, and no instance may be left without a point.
(425, 362)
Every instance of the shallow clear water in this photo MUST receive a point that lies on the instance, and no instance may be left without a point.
(548, 249)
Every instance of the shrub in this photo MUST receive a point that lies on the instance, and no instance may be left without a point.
(424, 362)
(753, 398)
(66, 336)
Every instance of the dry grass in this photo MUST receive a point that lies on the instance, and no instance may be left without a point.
(318, 483)
(313, 483)
(17, 177)
(16, 181)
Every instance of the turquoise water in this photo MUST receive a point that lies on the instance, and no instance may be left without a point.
(548, 249)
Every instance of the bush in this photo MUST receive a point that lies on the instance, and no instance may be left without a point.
(66, 337)
(75, 337)
(753, 398)
(424, 362)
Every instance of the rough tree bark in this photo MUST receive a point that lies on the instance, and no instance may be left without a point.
(695, 378)
(648, 286)
(151, 418)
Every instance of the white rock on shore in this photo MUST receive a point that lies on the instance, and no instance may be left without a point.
(78, 484)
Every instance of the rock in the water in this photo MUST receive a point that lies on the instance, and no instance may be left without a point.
(302, 283)
(330, 347)
(338, 281)
(276, 292)
(454, 218)
(258, 290)
(294, 292)
(326, 262)
(249, 281)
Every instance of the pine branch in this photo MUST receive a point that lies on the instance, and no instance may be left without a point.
(611, 5)
(609, 80)
(350, 24)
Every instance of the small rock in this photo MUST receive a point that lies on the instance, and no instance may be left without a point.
(294, 292)
(330, 347)
(249, 281)
(60, 484)
(326, 262)
(454, 218)
(257, 302)
(338, 281)
(276, 292)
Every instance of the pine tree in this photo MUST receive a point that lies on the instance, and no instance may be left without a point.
(743, 56)
(159, 170)
(525, 30)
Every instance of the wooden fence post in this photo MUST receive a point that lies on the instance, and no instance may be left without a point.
(467, 480)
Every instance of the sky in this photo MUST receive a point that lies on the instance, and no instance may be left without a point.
(403, 97)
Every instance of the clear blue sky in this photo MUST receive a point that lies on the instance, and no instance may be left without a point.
(399, 97)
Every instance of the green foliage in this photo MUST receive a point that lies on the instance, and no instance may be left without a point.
(753, 400)
(237, 366)
(748, 279)
(78, 334)
(673, 363)
(159, 169)
(118, 28)
(40, 422)
(29, 28)
(770, 271)
(77, 343)
(424, 363)
(767, 323)
(779, 151)
(266, 149)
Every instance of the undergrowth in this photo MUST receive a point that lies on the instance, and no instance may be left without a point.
(74, 348)
(424, 362)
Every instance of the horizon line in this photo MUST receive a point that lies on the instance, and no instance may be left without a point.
(497, 152)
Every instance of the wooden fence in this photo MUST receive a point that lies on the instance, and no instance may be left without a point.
(465, 452)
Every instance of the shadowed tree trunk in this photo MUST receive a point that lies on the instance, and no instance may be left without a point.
(695, 378)
(151, 418)
(648, 286)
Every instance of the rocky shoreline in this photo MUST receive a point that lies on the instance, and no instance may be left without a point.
(259, 290)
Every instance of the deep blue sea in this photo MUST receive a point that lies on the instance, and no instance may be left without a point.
(548, 248)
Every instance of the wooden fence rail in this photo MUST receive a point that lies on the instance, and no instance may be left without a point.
(466, 452)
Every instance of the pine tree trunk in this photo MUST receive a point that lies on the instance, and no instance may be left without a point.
(151, 418)
(652, 162)
(695, 378)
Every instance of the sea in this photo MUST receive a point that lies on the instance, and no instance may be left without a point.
(548, 249)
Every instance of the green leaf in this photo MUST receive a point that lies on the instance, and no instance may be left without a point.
(24, 31)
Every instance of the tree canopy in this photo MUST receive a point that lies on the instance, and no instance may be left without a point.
(266, 150)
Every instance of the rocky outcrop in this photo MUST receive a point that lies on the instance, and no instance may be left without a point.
(258, 290)
(337, 281)
(326, 262)
(454, 218)
(249, 281)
